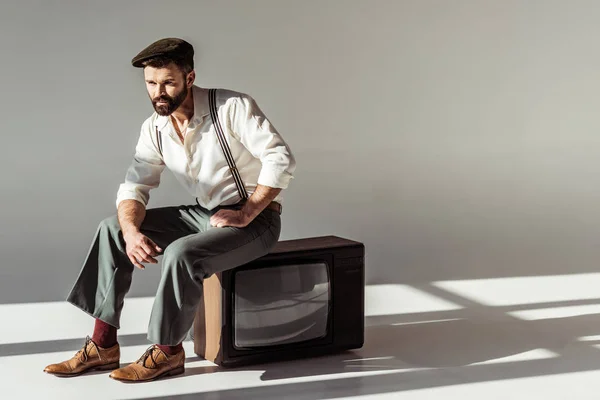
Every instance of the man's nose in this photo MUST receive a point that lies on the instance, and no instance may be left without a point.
(159, 91)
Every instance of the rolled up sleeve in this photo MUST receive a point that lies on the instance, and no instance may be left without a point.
(259, 136)
(145, 170)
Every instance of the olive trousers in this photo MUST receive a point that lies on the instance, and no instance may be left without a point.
(192, 251)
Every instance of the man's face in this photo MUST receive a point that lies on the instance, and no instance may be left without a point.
(166, 87)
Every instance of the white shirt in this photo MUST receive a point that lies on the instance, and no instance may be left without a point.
(260, 153)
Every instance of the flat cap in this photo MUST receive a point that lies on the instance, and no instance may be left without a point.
(169, 47)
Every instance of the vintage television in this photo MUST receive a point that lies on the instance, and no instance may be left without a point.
(304, 298)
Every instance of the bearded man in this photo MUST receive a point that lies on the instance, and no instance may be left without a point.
(221, 147)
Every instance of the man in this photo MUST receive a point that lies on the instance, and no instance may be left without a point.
(222, 231)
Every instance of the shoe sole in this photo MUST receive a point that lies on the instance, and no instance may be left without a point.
(105, 367)
(172, 372)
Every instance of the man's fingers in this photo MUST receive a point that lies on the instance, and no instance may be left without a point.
(146, 257)
(149, 250)
(219, 221)
(223, 218)
(134, 262)
(140, 255)
(218, 217)
(155, 246)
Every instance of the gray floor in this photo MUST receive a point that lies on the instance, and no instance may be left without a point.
(536, 337)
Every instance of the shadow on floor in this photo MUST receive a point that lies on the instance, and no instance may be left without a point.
(426, 350)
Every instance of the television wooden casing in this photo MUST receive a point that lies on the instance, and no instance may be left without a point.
(212, 325)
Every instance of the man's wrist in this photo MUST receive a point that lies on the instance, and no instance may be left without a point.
(258, 201)
(249, 212)
(130, 231)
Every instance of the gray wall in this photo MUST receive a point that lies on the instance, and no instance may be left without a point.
(456, 139)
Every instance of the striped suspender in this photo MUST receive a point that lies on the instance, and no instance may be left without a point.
(159, 141)
(212, 103)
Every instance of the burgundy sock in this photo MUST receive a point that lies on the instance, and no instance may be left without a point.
(104, 335)
(170, 350)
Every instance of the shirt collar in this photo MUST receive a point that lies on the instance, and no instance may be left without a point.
(200, 109)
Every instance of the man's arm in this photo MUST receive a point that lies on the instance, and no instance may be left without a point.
(144, 172)
(259, 136)
(259, 200)
(131, 213)
(133, 196)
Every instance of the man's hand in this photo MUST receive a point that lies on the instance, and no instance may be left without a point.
(225, 217)
(141, 248)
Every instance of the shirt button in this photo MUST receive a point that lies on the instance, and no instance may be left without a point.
(190, 157)
(196, 180)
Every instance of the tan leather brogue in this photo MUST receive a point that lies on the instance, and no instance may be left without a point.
(91, 357)
(153, 364)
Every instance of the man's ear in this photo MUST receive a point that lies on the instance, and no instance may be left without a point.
(191, 78)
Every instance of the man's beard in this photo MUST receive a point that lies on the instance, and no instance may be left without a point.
(173, 103)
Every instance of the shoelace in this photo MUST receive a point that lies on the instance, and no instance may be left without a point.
(84, 350)
(149, 353)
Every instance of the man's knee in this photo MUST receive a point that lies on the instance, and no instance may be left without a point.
(183, 256)
(111, 223)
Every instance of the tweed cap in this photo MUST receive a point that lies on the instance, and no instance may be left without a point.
(169, 47)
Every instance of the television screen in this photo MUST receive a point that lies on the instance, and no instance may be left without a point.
(281, 304)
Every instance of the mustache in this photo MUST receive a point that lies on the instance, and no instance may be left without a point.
(167, 99)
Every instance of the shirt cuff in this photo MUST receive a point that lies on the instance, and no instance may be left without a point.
(274, 178)
(129, 195)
